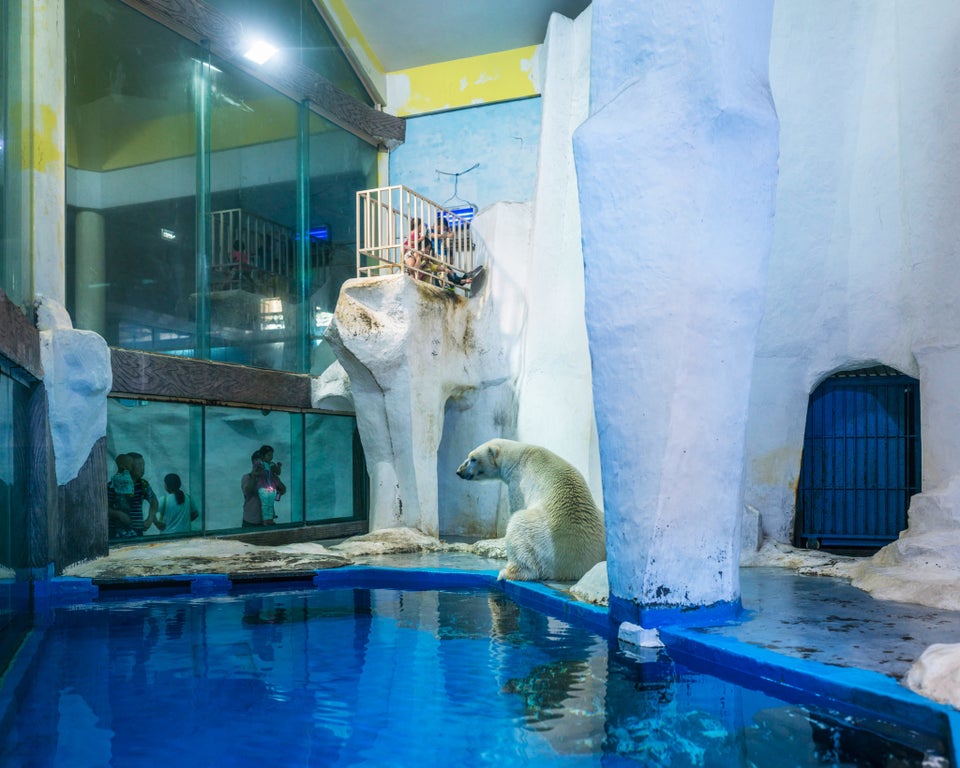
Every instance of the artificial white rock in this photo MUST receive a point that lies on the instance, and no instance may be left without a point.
(554, 375)
(412, 350)
(637, 636)
(751, 531)
(677, 173)
(389, 541)
(77, 377)
(331, 390)
(430, 382)
(593, 587)
(921, 568)
(863, 263)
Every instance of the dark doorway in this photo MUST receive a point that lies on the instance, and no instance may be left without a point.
(861, 460)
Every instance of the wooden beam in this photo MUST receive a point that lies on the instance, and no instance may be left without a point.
(19, 342)
(202, 23)
(147, 374)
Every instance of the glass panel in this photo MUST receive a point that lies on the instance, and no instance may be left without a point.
(340, 165)
(130, 134)
(154, 447)
(329, 483)
(15, 619)
(253, 173)
(296, 29)
(7, 557)
(15, 266)
(233, 435)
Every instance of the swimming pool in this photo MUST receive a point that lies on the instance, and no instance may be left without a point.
(382, 667)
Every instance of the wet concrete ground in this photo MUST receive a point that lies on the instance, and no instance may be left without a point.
(827, 620)
(819, 618)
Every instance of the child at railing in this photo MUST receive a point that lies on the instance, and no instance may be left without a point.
(415, 254)
(423, 263)
(441, 240)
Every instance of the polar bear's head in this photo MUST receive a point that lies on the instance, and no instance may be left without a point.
(482, 462)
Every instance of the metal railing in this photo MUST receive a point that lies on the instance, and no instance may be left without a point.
(399, 230)
(249, 253)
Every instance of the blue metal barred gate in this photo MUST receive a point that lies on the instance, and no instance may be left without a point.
(861, 459)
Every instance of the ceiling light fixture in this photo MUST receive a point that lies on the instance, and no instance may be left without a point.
(259, 52)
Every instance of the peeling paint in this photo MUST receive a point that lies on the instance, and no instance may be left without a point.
(46, 147)
(483, 79)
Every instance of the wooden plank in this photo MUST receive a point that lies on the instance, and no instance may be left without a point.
(202, 23)
(337, 106)
(82, 505)
(43, 512)
(19, 340)
(154, 375)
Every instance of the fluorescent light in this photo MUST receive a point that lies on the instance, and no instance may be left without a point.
(167, 234)
(259, 52)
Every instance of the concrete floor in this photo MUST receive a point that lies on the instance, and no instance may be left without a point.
(818, 618)
(827, 620)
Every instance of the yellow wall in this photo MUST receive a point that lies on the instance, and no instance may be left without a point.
(465, 82)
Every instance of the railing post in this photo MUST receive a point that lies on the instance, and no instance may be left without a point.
(304, 332)
(201, 245)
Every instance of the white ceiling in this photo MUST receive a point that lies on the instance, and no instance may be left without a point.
(412, 33)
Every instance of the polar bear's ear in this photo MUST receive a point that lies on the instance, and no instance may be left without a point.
(494, 453)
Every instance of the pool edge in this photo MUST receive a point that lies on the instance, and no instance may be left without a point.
(862, 690)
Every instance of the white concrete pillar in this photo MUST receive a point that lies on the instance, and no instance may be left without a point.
(90, 278)
(44, 62)
(677, 174)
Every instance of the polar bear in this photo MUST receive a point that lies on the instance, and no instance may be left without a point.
(556, 530)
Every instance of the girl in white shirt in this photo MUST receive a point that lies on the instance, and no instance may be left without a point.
(176, 508)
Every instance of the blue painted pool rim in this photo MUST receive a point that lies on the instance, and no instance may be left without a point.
(856, 691)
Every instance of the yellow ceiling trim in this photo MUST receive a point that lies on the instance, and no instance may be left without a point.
(465, 82)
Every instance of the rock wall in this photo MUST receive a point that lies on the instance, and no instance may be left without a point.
(412, 351)
(432, 375)
(863, 264)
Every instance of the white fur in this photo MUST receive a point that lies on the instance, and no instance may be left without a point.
(556, 530)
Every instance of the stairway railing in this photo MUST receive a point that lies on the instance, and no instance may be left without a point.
(385, 218)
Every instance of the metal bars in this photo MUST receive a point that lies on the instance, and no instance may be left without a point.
(861, 461)
(387, 216)
(249, 252)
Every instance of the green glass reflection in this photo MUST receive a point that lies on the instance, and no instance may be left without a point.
(130, 185)
(210, 450)
(340, 166)
(330, 479)
(302, 38)
(233, 435)
(168, 437)
(253, 215)
(7, 558)
(15, 266)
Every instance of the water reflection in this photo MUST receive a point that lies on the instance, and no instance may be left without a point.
(381, 677)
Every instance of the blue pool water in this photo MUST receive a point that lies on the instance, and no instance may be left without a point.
(394, 677)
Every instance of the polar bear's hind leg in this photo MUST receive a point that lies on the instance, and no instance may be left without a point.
(529, 546)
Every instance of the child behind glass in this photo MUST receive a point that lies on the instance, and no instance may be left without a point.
(122, 481)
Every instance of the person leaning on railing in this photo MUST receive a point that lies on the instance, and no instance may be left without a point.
(415, 251)
(443, 237)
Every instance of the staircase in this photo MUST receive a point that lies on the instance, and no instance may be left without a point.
(385, 218)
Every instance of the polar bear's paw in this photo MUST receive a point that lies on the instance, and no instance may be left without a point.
(514, 573)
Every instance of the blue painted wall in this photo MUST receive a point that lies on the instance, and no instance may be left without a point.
(503, 138)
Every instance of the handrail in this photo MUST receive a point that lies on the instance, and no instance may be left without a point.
(249, 252)
(385, 220)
